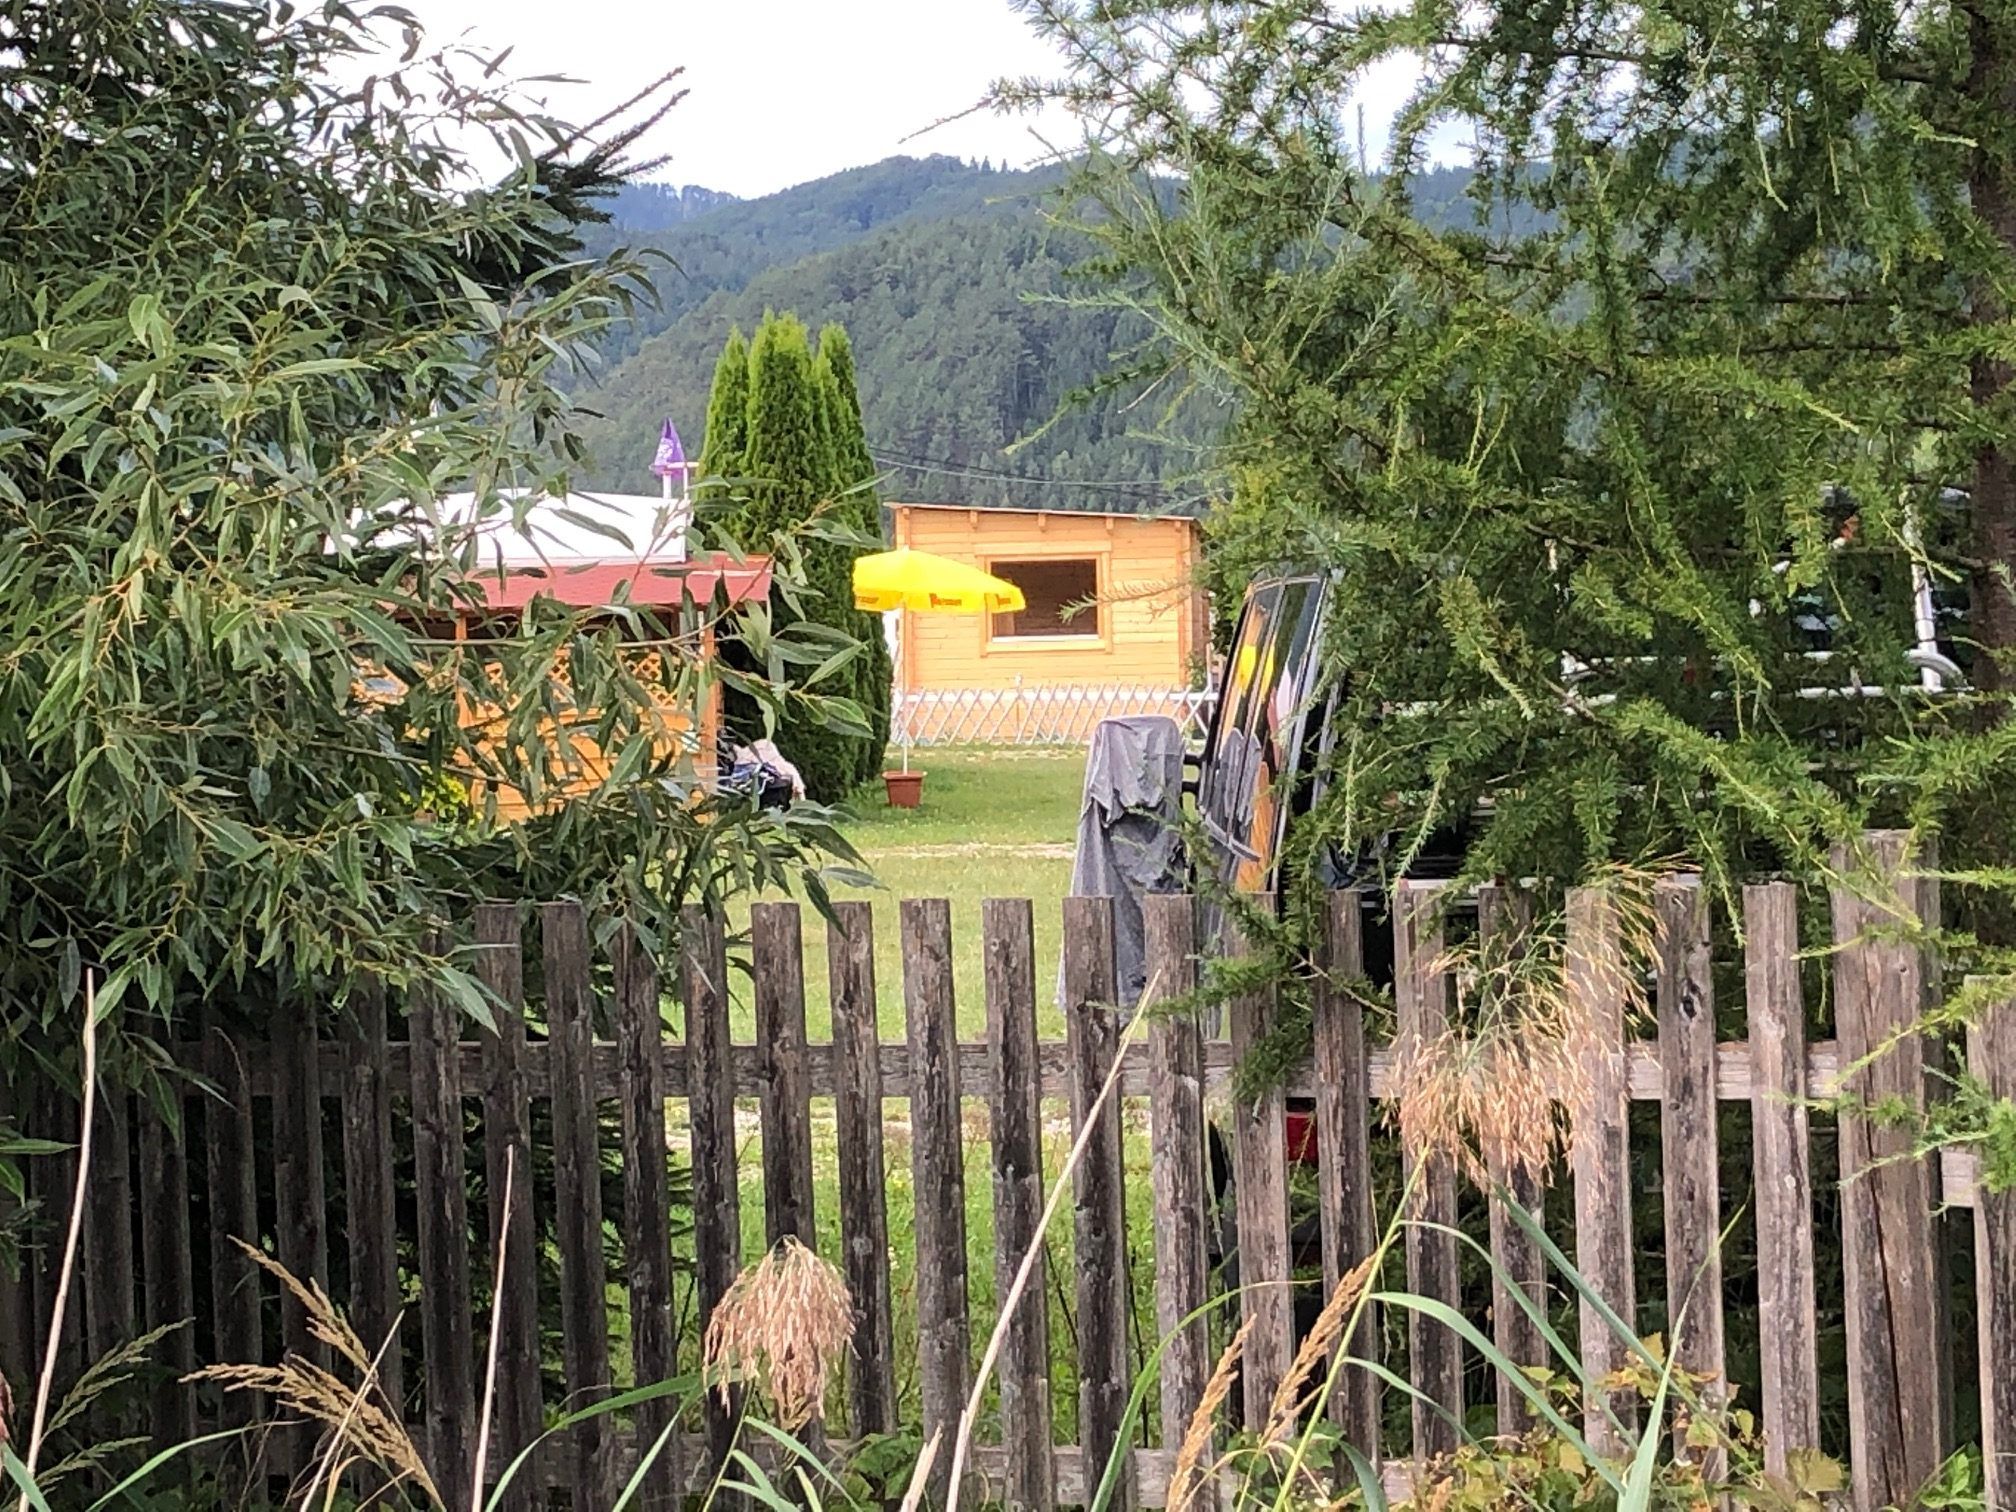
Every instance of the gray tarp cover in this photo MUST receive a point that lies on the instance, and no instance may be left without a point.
(1129, 841)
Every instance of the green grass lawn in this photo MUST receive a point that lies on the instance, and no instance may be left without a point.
(993, 824)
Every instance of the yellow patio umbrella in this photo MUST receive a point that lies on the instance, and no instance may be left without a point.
(919, 583)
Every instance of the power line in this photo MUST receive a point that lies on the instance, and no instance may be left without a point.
(947, 468)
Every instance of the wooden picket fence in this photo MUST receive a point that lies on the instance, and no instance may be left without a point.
(445, 1081)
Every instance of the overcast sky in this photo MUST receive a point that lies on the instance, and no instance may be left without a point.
(781, 90)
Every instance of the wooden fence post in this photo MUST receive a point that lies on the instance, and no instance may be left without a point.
(1689, 1148)
(440, 1197)
(1344, 1153)
(864, 1207)
(1892, 1260)
(300, 1200)
(20, 1328)
(366, 1092)
(168, 1283)
(710, 1102)
(647, 1215)
(1991, 1056)
(1260, 1179)
(507, 1141)
(1177, 1159)
(1597, 987)
(1008, 928)
(1092, 1029)
(52, 1183)
(234, 1215)
(784, 1103)
(577, 1190)
(105, 1259)
(1434, 1353)
(786, 1100)
(1504, 917)
(1786, 1310)
(937, 1153)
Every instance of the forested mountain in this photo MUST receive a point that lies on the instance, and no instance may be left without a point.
(712, 242)
(945, 274)
(956, 289)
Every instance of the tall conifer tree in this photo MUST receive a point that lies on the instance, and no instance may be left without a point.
(793, 438)
(727, 436)
(857, 506)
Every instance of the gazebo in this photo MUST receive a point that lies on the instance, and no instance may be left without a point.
(588, 550)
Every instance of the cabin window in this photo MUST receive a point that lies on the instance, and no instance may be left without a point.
(1058, 596)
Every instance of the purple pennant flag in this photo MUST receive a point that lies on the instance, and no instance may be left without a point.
(670, 460)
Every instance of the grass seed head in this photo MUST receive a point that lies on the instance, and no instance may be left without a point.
(1294, 1395)
(1498, 1093)
(781, 1328)
(355, 1413)
(1186, 1478)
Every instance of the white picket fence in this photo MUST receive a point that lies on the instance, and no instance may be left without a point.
(1038, 713)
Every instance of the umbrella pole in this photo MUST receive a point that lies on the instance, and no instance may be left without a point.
(903, 677)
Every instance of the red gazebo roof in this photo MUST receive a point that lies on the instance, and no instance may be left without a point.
(655, 584)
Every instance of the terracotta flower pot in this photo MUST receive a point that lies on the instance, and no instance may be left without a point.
(904, 788)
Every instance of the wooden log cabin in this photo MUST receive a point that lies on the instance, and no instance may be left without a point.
(1112, 600)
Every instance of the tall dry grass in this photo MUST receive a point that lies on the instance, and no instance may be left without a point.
(360, 1424)
(1498, 1093)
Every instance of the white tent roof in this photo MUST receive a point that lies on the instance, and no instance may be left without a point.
(577, 528)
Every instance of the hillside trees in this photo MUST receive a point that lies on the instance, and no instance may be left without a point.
(971, 339)
(249, 334)
(793, 466)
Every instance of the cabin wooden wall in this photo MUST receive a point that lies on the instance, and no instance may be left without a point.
(1152, 619)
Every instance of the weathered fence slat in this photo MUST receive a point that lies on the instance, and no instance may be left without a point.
(447, 1335)
(1008, 933)
(1177, 1159)
(372, 1228)
(1602, 1154)
(1991, 1056)
(168, 1285)
(1434, 1352)
(1504, 918)
(1892, 1262)
(1689, 1149)
(300, 1197)
(53, 1184)
(717, 1206)
(1344, 1153)
(1092, 1027)
(1782, 1157)
(234, 1216)
(1260, 1180)
(647, 1210)
(577, 1190)
(864, 1207)
(105, 1262)
(786, 1102)
(937, 1152)
(507, 1144)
